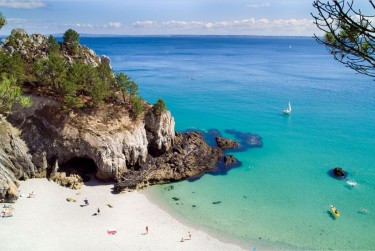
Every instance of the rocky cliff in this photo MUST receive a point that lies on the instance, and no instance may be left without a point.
(15, 162)
(33, 47)
(134, 153)
(40, 140)
(106, 135)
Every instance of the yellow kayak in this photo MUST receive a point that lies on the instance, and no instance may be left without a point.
(334, 211)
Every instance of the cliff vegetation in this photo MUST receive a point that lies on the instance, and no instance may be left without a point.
(63, 106)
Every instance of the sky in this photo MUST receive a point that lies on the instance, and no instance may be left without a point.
(161, 17)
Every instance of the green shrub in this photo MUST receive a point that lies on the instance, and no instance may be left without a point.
(160, 106)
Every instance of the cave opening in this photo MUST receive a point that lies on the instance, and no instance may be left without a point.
(83, 166)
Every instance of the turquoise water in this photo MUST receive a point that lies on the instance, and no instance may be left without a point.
(281, 193)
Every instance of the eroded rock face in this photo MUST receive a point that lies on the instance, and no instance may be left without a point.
(135, 153)
(107, 136)
(189, 156)
(15, 162)
(160, 131)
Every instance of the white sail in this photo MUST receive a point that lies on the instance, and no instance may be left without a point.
(288, 110)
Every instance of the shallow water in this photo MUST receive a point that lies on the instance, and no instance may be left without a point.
(282, 192)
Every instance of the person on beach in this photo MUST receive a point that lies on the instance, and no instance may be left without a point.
(189, 235)
(182, 240)
(98, 211)
(86, 202)
(146, 229)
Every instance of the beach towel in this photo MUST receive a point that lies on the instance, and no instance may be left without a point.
(111, 231)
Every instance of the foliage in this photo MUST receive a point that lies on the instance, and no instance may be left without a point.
(52, 72)
(71, 40)
(2, 20)
(74, 82)
(349, 34)
(12, 66)
(126, 85)
(137, 106)
(10, 94)
(106, 74)
(71, 36)
(99, 91)
(160, 106)
(121, 82)
(52, 45)
(76, 74)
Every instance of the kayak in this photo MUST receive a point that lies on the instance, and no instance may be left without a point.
(334, 211)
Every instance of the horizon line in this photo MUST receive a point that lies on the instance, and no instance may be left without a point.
(168, 35)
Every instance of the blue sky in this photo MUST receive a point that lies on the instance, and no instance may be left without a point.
(161, 17)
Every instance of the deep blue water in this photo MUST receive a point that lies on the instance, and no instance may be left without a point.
(282, 192)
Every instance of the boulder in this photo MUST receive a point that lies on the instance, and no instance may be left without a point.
(229, 160)
(339, 172)
(224, 143)
(105, 60)
(73, 181)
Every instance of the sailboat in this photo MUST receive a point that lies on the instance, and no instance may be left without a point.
(288, 110)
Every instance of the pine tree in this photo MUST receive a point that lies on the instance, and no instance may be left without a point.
(71, 41)
(11, 93)
(52, 72)
(52, 45)
(126, 85)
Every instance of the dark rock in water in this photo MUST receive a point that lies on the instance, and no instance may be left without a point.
(175, 198)
(339, 172)
(229, 160)
(221, 168)
(169, 188)
(224, 143)
(189, 156)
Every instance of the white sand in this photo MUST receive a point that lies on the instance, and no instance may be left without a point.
(49, 222)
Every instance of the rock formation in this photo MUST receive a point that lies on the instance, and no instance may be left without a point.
(224, 143)
(36, 141)
(135, 153)
(230, 160)
(339, 172)
(33, 47)
(189, 156)
(15, 162)
(107, 136)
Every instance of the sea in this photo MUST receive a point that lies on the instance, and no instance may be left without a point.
(235, 86)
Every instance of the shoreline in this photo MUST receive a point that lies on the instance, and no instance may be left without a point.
(252, 244)
(49, 222)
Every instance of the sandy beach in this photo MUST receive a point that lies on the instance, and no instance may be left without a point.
(49, 222)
